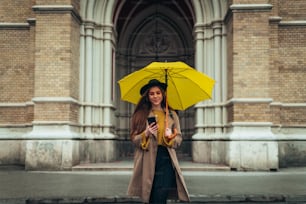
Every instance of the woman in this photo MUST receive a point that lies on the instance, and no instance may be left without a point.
(157, 175)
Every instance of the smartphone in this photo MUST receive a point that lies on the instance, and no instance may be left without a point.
(151, 120)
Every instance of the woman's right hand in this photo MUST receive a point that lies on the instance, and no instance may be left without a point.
(152, 129)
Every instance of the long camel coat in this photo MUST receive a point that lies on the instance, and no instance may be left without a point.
(144, 166)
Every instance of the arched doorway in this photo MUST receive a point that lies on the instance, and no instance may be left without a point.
(119, 37)
(153, 31)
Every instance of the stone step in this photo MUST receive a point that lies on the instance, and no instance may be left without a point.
(127, 165)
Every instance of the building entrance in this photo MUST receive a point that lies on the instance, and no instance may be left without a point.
(153, 31)
(120, 38)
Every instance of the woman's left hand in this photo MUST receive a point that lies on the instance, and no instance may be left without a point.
(168, 132)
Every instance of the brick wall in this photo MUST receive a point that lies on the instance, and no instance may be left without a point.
(16, 66)
(75, 59)
(56, 112)
(274, 61)
(15, 10)
(57, 63)
(293, 116)
(250, 54)
(248, 64)
(57, 2)
(230, 56)
(265, 61)
(292, 9)
(292, 73)
(13, 115)
(55, 60)
(250, 112)
(287, 64)
(53, 55)
(17, 63)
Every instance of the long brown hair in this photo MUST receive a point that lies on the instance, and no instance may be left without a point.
(142, 111)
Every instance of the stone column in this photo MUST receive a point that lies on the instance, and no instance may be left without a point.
(88, 76)
(199, 63)
(108, 144)
(206, 147)
(99, 142)
(217, 31)
(197, 144)
(52, 143)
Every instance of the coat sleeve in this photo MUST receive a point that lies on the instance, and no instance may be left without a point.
(176, 124)
(141, 141)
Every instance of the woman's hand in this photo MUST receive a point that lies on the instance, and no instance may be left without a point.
(152, 128)
(168, 132)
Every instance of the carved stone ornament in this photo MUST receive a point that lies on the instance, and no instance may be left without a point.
(157, 42)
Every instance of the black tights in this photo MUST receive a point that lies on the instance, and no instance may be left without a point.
(164, 178)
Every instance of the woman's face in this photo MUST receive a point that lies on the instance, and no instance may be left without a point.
(155, 96)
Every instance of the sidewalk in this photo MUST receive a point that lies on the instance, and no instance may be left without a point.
(33, 187)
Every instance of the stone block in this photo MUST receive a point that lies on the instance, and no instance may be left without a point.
(201, 151)
(51, 154)
(253, 155)
(10, 152)
(95, 151)
(219, 152)
(292, 153)
(252, 146)
(209, 151)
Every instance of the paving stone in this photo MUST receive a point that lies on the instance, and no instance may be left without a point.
(296, 198)
(12, 201)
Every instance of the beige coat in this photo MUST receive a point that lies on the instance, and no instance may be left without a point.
(144, 166)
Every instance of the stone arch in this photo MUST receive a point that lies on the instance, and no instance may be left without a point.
(99, 38)
(135, 51)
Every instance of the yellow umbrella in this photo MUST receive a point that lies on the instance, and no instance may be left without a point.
(185, 85)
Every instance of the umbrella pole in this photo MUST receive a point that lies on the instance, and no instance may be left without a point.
(167, 111)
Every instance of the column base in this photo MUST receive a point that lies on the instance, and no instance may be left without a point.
(253, 155)
(246, 147)
(209, 148)
(292, 146)
(252, 146)
(51, 146)
(51, 154)
(98, 150)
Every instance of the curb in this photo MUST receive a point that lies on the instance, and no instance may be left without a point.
(215, 199)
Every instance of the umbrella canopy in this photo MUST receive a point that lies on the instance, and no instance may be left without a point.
(185, 85)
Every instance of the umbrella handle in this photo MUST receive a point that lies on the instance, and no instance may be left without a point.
(167, 111)
(166, 122)
(173, 134)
